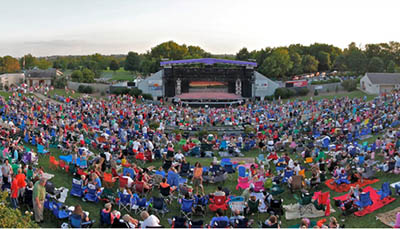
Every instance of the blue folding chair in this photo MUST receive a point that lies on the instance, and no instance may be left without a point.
(385, 191)
(225, 161)
(287, 175)
(187, 207)
(41, 150)
(125, 201)
(75, 221)
(129, 172)
(92, 194)
(139, 204)
(77, 189)
(242, 171)
(173, 179)
(59, 211)
(365, 200)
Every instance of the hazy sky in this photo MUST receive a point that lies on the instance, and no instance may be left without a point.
(60, 27)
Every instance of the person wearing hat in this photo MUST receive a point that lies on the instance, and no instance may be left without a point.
(39, 194)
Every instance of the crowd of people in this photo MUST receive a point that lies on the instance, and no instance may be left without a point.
(108, 135)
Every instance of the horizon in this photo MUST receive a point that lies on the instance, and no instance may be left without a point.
(77, 28)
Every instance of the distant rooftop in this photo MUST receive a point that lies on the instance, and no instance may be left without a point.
(208, 61)
(384, 78)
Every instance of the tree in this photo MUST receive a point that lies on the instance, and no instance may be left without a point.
(324, 60)
(28, 61)
(391, 67)
(170, 50)
(310, 64)
(243, 54)
(132, 62)
(297, 65)
(277, 64)
(114, 66)
(196, 52)
(9, 65)
(376, 65)
(43, 64)
(77, 76)
(88, 76)
(340, 63)
(13, 218)
(356, 61)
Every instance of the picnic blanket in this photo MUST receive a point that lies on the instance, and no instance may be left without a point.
(292, 212)
(346, 187)
(47, 176)
(376, 201)
(246, 160)
(388, 218)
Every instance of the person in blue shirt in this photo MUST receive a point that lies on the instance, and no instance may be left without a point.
(219, 219)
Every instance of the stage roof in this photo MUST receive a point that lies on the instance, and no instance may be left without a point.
(208, 61)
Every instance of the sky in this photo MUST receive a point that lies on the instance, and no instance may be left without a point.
(80, 27)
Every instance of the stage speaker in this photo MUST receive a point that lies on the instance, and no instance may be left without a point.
(246, 89)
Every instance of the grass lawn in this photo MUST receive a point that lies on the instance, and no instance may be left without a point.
(64, 179)
(119, 75)
(351, 95)
(62, 92)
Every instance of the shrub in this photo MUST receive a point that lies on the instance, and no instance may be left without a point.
(350, 85)
(315, 92)
(60, 82)
(303, 91)
(135, 92)
(147, 96)
(13, 218)
(120, 91)
(85, 89)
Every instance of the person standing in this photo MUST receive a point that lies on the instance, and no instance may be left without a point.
(7, 173)
(14, 192)
(39, 194)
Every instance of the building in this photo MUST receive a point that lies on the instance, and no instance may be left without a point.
(207, 81)
(41, 77)
(377, 83)
(10, 79)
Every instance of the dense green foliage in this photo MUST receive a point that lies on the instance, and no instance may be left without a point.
(333, 80)
(350, 85)
(85, 89)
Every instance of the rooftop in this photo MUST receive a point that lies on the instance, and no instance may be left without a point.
(384, 78)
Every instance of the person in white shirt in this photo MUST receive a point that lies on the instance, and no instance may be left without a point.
(179, 156)
(149, 220)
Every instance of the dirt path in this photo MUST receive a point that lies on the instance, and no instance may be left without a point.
(42, 97)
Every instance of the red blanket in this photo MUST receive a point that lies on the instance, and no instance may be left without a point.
(376, 201)
(346, 187)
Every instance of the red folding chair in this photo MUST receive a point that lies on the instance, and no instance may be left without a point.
(123, 182)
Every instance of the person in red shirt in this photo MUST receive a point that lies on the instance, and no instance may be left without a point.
(14, 192)
(20, 177)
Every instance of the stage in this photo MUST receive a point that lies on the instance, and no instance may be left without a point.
(215, 96)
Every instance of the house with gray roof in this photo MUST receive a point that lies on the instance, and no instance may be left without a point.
(42, 77)
(377, 83)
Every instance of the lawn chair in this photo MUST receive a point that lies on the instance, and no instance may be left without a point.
(125, 201)
(296, 183)
(92, 194)
(41, 150)
(365, 200)
(287, 175)
(385, 191)
(159, 206)
(258, 186)
(123, 182)
(187, 206)
(77, 189)
(237, 203)
(200, 205)
(218, 202)
(105, 219)
(53, 163)
(128, 172)
(59, 210)
(276, 207)
(75, 221)
(261, 159)
(139, 204)
(268, 183)
(242, 171)
(243, 183)
(108, 180)
(305, 202)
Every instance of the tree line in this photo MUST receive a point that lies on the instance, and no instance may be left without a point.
(277, 63)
